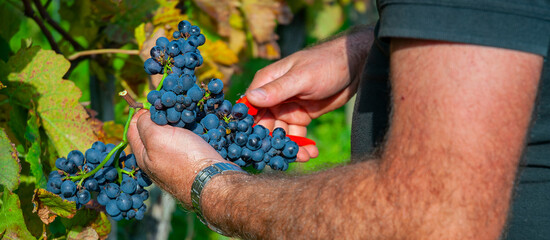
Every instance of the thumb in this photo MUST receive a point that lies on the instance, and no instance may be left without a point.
(274, 92)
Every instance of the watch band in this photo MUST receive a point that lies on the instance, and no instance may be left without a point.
(201, 180)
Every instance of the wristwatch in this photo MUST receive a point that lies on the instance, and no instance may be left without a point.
(200, 182)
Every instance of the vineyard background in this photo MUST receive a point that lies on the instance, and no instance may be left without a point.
(62, 63)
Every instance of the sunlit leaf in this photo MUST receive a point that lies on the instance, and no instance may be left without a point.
(88, 223)
(327, 19)
(260, 16)
(38, 74)
(49, 205)
(219, 52)
(13, 224)
(9, 163)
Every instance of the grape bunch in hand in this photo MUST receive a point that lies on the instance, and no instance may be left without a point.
(181, 101)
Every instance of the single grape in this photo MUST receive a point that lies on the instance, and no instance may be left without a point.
(77, 157)
(179, 61)
(83, 196)
(168, 99)
(102, 198)
(290, 150)
(112, 190)
(112, 208)
(91, 184)
(210, 122)
(111, 174)
(176, 34)
(143, 180)
(93, 156)
(254, 142)
(98, 145)
(124, 202)
(195, 93)
(152, 67)
(215, 86)
(277, 143)
(128, 185)
(170, 83)
(162, 42)
(239, 111)
(279, 133)
(184, 26)
(188, 116)
(68, 188)
(136, 201)
(156, 52)
(172, 115)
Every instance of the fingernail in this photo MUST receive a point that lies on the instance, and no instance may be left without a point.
(258, 94)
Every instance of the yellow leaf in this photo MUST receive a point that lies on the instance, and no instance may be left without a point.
(237, 40)
(139, 32)
(260, 16)
(219, 52)
(328, 19)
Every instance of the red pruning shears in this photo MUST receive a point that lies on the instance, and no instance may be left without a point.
(301, 141)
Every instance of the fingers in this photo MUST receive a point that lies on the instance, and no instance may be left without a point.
(134, 139)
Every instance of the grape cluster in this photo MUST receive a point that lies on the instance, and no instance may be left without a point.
(201, 108)
(180, 55)
(119, 188)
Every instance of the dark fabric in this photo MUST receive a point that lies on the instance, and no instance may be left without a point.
(511, 24)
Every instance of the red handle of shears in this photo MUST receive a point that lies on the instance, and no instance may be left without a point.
(301, 141)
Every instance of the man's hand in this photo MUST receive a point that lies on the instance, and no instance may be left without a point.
(308, 84)
(170, 156)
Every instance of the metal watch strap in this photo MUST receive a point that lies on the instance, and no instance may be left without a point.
(200, 182)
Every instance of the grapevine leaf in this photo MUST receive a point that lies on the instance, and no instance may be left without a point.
(220, 11)
(49, 205)
(86, 233)
(327, 19)
(87, 218)
(12, 225)
(219, 52)
(261, 16)
(9, 163)
(38, 73)
(2, 85)
(33, 155)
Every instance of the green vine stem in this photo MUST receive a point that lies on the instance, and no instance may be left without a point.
(166, 68)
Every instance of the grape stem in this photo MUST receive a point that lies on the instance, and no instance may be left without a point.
(130, 100)
(118, 149)
(166, 68)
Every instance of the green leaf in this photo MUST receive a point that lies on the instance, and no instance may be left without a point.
(12, 225)
(326, 19)
(80, 233)
(85, 220)
(33, 155)
(36, 77)
(9, 163)
(49, 205)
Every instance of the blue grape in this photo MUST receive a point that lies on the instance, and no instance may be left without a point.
(156, 52)
(290, 150)
(162, 42)
(98, 145)
(159, 117)
(93, 156)
(241, 138)
(277, 163)
(68, 188)
(152, 67)
(153, 96)
(112, 190)
(176, 34)
(128, 185)
(83, 196)
(215, 86)
(91, 184)
(254, 142)
(195, 30)
(257, 155)
(76, 157)
(277, 143)
(191, 60)
(210, 122)
(179, 61)
(184, 26)
(187, 82)
(279, 133)
(102, 198)
(143, 180)
(188, 116)
(172, 115)
(124, 202)
(170, 83)
(195, 93)
(61, 163)
(112, 208)
(239, 111)
(168, 99)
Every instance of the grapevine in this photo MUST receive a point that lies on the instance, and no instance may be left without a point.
(114, 179)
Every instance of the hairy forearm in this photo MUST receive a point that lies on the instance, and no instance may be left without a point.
(323, 205)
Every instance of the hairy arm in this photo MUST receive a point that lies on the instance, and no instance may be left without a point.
(459, 121)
